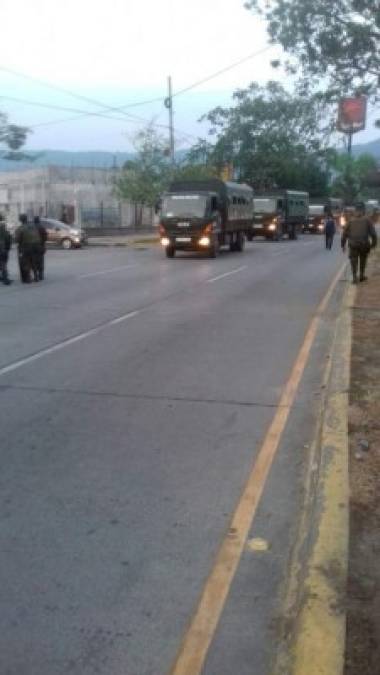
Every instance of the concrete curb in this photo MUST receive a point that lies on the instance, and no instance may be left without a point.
(319, 643)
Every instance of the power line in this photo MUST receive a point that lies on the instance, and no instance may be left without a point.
(84, 113)
(131, 118)
(222, 70)
(122, 108)
(86, 99)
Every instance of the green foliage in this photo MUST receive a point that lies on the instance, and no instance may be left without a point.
(145, 177)
(352, 177)
(13, 137)
(198, 163)
(337, 40)
(272, 139)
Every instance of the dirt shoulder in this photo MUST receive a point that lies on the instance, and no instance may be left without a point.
(363, 610)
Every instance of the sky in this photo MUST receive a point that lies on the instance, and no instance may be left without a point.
(120, 53)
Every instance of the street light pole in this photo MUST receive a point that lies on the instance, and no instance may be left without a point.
(169, 105)
(349, 144)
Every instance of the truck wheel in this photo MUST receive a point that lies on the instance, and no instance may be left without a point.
(240, 242)
(170, 251)
(250, 236)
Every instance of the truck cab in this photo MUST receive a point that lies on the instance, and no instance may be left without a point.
(204, 216)
(277, 215)
(315, 223)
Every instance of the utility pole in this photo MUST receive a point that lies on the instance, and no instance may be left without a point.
(169, 106)
(349, 142)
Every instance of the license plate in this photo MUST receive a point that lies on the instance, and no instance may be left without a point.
(183, 240)
(257, 227)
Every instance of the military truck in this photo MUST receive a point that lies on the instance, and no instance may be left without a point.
(279, 214)
(318, 210)
(315, 223)
(205, 215)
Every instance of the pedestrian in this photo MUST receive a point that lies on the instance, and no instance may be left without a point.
(361, 236)
(5, 247)
(29, 243)
(330, 229)
(42, 249)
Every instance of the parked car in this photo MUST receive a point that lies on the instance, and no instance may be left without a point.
(66, 236)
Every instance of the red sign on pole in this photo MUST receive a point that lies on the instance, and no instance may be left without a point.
(352, 114)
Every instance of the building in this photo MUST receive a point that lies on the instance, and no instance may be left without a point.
(69, 194)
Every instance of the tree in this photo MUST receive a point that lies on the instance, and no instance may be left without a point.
(12, 137)
(149, 174)
(353, 177)
(145, 177)
(271, 138)
(336, 42)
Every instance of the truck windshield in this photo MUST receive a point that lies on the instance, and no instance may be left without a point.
(265, 205)
(189, 206)
(316, 209)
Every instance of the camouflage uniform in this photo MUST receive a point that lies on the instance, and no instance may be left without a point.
(42, 248)
(5, 246)
(361, 236)
(29, 244)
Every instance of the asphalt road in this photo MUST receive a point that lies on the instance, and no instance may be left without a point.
(135, 393)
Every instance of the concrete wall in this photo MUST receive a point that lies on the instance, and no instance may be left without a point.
(51, 191)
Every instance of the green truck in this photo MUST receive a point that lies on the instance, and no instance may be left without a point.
(318, 210)
(277, 215)
(204, 216)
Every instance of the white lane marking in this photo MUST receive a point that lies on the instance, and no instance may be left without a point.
(66, 343)
(108, 271)
(226, 274)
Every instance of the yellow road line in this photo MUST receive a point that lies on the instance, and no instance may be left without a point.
(197, 640)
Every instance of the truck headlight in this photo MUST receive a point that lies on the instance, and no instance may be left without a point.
(272, 227)
(165, 241)
(204, 241)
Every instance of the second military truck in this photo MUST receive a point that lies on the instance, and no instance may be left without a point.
(205, 215)
(280, 214)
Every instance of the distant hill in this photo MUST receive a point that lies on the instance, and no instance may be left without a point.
(97, 159)
(372, 148)
(102, 159)
(91, 159)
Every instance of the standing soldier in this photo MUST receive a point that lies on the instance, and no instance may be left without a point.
(330, 230)
(29, 243)
(5, 247)
(361, 236)
(42, 250)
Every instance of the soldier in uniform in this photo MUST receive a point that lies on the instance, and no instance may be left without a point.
(5, 247)
(361, 236)
(29, 243)
(330, 230)
(42, 249)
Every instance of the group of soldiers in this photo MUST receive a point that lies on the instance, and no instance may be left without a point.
(30, 238)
